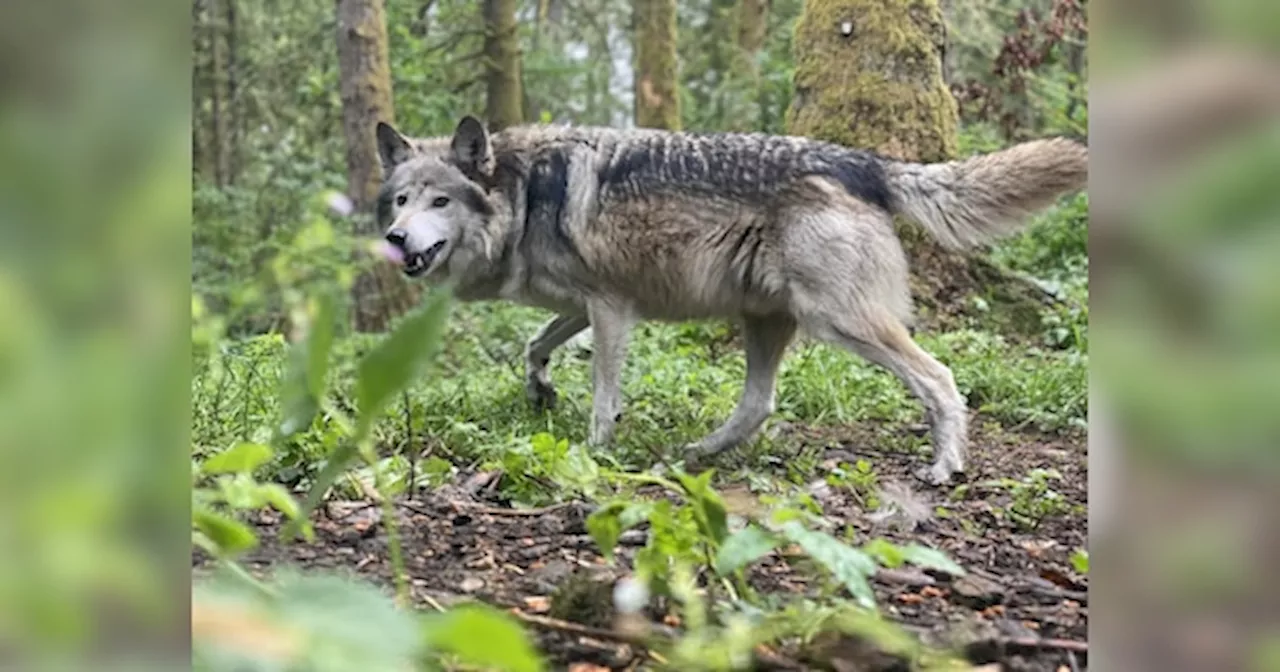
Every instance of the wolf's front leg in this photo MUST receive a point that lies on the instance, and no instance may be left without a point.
(537, 355)
(611, 327)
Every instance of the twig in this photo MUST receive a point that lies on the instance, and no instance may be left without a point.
(1033, 643)
(432, 602)
(493, 511)
(662, 635)
(581, 630)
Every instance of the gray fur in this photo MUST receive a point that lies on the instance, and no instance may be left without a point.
(608, 227)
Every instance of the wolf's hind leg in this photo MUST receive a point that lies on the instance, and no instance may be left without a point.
(537, 355)
(611, 327)
(765, 341)
(883, 339)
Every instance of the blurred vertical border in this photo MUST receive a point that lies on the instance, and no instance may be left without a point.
(94, 333)
(1185, 373)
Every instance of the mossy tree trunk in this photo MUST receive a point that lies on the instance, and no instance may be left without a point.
(505, 100)
(365, 87)
(869, 75)
(657, 98)
(753, 23)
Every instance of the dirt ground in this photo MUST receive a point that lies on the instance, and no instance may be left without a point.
(1021, 606)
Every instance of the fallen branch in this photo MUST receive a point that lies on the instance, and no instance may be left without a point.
(581, 630)
(662, 635)
(1033, 644)
(494, 511)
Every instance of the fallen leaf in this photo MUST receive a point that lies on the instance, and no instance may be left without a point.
(931, 591)
(538, 604)
(1036, 547)
(910, 598)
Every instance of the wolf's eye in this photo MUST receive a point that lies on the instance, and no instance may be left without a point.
(440, 202)
(402, 199)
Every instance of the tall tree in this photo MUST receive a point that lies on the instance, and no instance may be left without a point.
(505, 102)
(218, 97)
(868, 74)
(657, 100)
(753, 23)
(382, 293)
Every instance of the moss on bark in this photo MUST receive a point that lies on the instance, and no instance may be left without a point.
(657, 100)
(505, 100)
(869, 75)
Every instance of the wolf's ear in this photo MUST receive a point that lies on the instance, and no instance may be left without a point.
(471, 148)
(393, 148)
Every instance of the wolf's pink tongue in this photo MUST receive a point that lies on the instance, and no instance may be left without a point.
(390, 252)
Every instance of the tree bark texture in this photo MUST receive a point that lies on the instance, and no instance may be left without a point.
(657, 98)
(235, 122)
(365, 75)
(753, 24)
(505, 100)
(869, 76)
(217, 90)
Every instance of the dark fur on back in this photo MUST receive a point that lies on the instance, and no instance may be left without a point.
(734, 165)
(546, 196)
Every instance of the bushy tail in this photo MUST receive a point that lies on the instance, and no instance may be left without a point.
(963, 204)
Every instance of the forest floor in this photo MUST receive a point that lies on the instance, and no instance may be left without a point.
(1022, 604)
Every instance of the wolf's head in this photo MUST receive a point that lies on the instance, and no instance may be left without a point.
(434, 205)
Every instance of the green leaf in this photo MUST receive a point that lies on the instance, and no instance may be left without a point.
(713, 519)
(743, 548)
(231, 536)
(242, 458)
(280, 498)
(888, 554)
(930, 558)
(382, 373)
(399, 359)
(850, 566)
(303, 385)
(605, 526)
(1080, 560)
(481, 636)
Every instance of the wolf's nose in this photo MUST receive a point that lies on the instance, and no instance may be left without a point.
(397, 237)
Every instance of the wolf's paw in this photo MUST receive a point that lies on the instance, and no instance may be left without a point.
(541, 394)
(937, 474)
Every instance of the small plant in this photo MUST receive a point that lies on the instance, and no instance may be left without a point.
(861, 480)
(694, 559)
(224, 485)
(544, 468)
(1033, 500)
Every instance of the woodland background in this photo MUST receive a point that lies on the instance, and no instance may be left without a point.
(333, 398)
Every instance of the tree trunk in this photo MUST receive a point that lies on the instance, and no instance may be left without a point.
(657, 99)
(233, 113)
(201, 164)
(505, 101)
(365, 75)
(753, 23)
(869, 75)
(218, 79)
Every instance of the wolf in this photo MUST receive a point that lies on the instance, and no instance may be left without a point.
(607, 227)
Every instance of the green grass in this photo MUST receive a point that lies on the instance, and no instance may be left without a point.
(680, 380)
(677, 389)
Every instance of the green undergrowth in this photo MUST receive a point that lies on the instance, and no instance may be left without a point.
(284, 422)
(676, 391)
